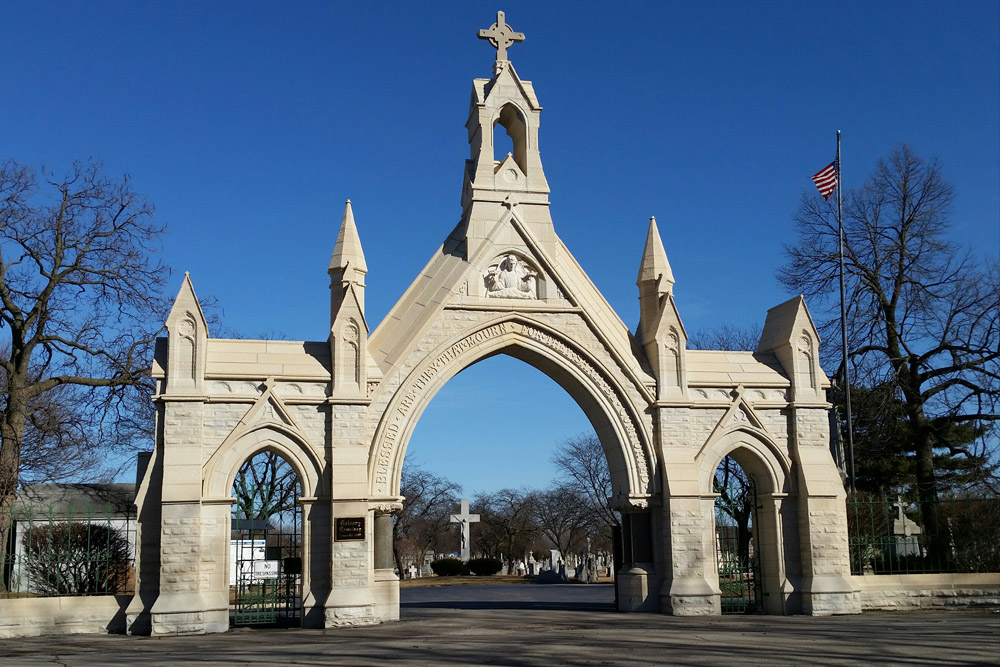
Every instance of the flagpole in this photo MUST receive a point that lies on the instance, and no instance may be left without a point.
(843, 327)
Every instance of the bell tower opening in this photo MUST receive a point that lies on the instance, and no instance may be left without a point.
(513, 139)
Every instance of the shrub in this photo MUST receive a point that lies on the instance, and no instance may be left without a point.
(75, 559)
(485, 567)
(447, 567)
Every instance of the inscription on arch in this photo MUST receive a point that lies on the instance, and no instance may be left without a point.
(414, 390)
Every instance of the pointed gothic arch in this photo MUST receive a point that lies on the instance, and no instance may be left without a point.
(222, 466)
(617, 424)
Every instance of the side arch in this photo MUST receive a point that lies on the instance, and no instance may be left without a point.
(630, 457)
(755, 452)
(220, 471)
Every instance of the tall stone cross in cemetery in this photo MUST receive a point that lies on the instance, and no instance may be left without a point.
(464, 518)
(501, 36)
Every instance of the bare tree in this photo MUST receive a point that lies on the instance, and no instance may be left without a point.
(427, 507)
(563, 517)
(727, 337)
(80, 298)
(923, 314)
(506, 522)
(736, 502)
(583, 467)
(266, 485)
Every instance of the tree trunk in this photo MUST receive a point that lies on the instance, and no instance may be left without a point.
(927, 494)
(12, 421)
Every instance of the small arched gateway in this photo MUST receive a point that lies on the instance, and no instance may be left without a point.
(341, 412)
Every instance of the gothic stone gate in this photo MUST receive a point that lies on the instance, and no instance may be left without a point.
(341, 411)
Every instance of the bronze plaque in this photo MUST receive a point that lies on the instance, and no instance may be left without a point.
(349, 529)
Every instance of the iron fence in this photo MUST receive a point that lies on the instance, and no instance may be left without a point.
(905, 536)
(57, 550)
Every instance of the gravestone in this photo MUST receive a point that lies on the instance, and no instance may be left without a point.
(905, 532)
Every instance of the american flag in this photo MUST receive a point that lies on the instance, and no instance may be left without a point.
(826, 179)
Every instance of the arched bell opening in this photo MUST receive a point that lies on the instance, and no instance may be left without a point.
(265, 549)
(515, 136)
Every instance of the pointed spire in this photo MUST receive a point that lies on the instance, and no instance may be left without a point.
(186, 301)
(654, 261)
(348, 258)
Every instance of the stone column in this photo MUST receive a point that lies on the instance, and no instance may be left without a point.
(385, 588)
(637, 574)
(383, 541)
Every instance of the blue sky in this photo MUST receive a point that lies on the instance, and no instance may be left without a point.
(249, 123)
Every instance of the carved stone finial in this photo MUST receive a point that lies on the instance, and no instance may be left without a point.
(501, 36)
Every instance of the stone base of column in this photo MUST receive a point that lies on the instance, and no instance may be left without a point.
(350, 607)
(385, 590)
(189, 614)
(689, 596)
(635, 584)
(349, 617)
(826, 596)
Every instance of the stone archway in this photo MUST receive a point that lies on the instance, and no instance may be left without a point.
(615, 421)
(502, 282)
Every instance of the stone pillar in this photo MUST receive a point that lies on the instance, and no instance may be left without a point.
(383, 542)
(780, 593)
(147, 554)
(826, 585)
(194, 542)
(692, 585)
(385, 587)
(637, 577)
(350, 601)
(316, 541)
(822, 515)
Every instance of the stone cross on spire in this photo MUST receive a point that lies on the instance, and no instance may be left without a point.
(501, 36)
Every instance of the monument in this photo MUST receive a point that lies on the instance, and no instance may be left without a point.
(464, 518)
(341, 410)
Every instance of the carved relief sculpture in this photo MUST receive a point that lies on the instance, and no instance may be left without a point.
(511, 278)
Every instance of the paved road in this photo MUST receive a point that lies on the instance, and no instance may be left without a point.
(552, 625)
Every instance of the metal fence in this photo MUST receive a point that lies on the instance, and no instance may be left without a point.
(56, 550)
(903, 536)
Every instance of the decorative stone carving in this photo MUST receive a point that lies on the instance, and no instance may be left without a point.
(511, 278)
(383, 508)
(623, 503)
(739, 417)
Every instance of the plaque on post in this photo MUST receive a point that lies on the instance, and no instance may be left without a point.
(349, 529)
